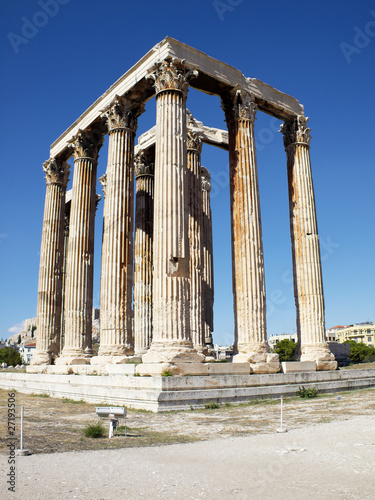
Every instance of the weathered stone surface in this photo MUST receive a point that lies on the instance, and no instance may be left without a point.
(247, 247)
(116, 337)
(143, 250)
(51, 264)
(207, 260)
(170, 393)
(307, 269)
(171, 279)
(194, 191)
(298, 366)
(79, 271)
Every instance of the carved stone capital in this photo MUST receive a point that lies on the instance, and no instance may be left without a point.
(172, 75)
(57, 172)
(143, 165)
(103, 182)
(123, 113)
(205, 179)
(87, 143)
(295, 131)
(238, 104)
(194, 140)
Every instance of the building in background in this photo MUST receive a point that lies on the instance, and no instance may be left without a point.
(274, 339)
(359, 332)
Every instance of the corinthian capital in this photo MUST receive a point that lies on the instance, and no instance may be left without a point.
(87, 143)
(296, 131)
(143, 164)
(103, 182)
(238, 104)
(57, 172)
(172, 74)
(123, 113)
(194, 140)
(205, 179)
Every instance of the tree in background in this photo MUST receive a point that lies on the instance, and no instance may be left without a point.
(10, 356)
(360, 353)
(285, 349)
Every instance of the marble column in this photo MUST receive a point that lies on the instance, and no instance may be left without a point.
(207, 260)
(247, 247)
(307, 269)
(171, 347)
(68, 201)
(116, 336)
(80, 261)
(144, 215)
(194, 148)
(51, 264)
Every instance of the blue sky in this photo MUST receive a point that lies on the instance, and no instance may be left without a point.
(54, 65)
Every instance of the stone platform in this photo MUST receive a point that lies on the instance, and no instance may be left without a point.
(181, 393)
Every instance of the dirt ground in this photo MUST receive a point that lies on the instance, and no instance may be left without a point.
(328, 453)
(54, 425)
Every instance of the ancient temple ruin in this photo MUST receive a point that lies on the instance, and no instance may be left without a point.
(167, 267)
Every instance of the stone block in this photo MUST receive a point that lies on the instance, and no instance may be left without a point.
(157, 369)
(122, 369)
(322, 365)
(265, 367)
(229, 368)
(298, 366)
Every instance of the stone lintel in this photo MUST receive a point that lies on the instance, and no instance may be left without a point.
(210, 135)
(214, 77)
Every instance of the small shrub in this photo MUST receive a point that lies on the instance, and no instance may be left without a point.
(94, 430)
(167, 373)
(285, 349)
(211, 405)
(304, 393)
(10, 356)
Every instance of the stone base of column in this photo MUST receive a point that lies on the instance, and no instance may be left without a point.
(114, 360)
(41, 358)
(74, 357)
(319, 353)
(259, 357)
(116, 350)
(174, 359)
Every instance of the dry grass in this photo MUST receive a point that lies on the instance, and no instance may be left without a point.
(56, 425)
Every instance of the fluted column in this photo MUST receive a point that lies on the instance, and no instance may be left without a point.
(144, 214)
(247, 247)
(171, 281)
(51, 264)
(194, 148)
(307, 269)
(207, 260)
(116, 337)
(80, 261)
(68, 201)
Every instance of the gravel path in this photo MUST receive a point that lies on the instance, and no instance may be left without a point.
(323, 461)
